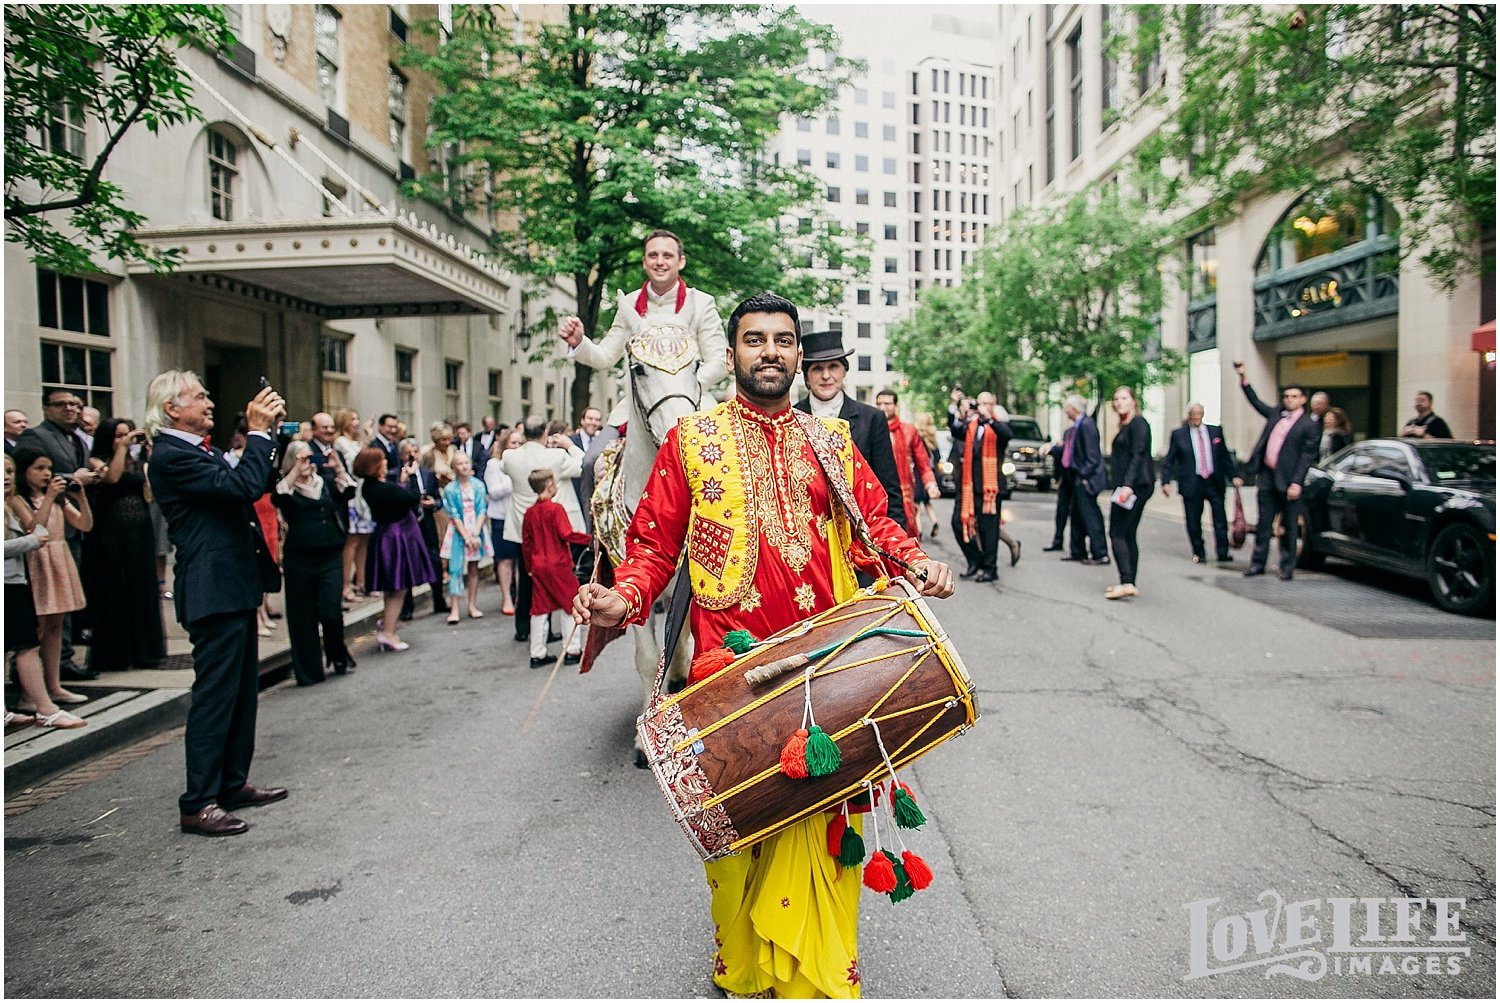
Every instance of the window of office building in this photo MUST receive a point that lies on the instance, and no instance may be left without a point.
(1049, 119)
(804, 158)
(68, 303)
(223, 173)
(890, 297)
(862, 329)
(406, 386)
(1148, 63)
(64, 130)
(1203, 258)
(861, 196)
(861, 163)
(85, 371)
(493, 391)
(1109, 75)
(864, 363)
(833, 193)
(453, 389)
(326, 37)
(525, 395)
(887, 99)
(862, 297)
(861, 96)
(397, 102)
(890, 229)
(832, 126)
(832, 160)
(804, 124)
(861, 229)
(890, 266)
(333, 352)
(1075, 92)
(888, 165)
(861, 130)
(888, 133)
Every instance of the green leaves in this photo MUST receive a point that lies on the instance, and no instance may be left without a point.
(114, 65)
(1066, 295)
(1398, 98)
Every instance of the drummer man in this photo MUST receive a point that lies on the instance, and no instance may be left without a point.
(764, 552)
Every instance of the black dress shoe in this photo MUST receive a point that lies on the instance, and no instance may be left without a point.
(969, 572)
(1285, 576)
(537, 663)
(343, 666)
(553, 637)
(213, 821)
(1226, 559)
(1070, 557)
(986, 576)
(1253, 572)
(73, 674)
(251, 796)
(1055, 546)
(308, 682)
(573, 658)
(406, 617)
(1095, 561)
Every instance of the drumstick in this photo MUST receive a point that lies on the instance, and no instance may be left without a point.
(536, 707)
(802, 659)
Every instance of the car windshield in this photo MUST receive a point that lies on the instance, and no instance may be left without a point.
(1025, 428)
(1460, 463)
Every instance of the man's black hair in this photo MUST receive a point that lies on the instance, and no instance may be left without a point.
(763, 302)
(385, 418)
(1295, 386)
(888, 392)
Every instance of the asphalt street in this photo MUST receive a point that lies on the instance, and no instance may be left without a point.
(1213, 739)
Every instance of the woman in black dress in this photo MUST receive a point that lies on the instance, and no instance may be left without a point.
(119, 557)
(1338, 432)
(316, 509)
(1132, 477)
(398, 558)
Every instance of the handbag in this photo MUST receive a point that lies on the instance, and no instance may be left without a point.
(1237, 527)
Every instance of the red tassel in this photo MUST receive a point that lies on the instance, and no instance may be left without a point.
(917, 871)
(836, 827)
(880, 876)
(794, 755)
(708, 663)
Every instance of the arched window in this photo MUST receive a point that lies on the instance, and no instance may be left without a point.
(1325, 221)
(223, 174)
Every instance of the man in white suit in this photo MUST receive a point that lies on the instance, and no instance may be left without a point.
(558, 454)
(664, 304)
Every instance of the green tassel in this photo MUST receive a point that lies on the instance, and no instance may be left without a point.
(908, 815)
(739, 641)
(851, 848)
(904, 889)
(822, 753)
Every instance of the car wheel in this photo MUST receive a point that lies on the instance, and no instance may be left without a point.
(1044, 484)
(1461, 570)
(1308, 554)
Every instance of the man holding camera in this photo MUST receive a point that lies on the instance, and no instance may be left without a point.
(211, 522)
(58, 437)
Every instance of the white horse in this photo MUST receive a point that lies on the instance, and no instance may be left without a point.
(663, 388)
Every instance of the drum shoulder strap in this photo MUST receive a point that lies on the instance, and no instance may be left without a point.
(682, 599)
(825, 448)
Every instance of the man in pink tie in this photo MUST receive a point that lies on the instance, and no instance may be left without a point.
(1203, 468)
(1280, 460)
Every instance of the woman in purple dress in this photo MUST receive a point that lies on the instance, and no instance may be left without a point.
(398, 558)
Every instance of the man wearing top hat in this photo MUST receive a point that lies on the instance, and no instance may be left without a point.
(824, 366)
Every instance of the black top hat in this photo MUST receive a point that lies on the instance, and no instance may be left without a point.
(824, 346)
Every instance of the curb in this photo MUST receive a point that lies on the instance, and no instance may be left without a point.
(137, 715)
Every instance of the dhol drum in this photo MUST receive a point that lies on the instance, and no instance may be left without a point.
(716, 747)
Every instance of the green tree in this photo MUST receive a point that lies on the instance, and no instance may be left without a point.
(1077, 289)
(590, 132)
(948, 342)
(64, 65)
(1396, 98)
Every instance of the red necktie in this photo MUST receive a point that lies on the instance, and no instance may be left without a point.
(208, 444)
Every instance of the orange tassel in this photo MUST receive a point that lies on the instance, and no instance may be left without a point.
(917, 871)
(836, 827)
(708, 663)
(794, 755)
(880, 876)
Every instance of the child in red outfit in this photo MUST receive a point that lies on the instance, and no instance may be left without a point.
(545, 535)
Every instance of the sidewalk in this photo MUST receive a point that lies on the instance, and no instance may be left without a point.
(125, 707)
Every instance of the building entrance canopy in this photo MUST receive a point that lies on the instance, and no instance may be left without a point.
(375, 266)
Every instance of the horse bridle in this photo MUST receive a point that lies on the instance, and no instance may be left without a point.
(637, 368)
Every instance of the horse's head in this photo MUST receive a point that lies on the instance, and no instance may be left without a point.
(663, 379)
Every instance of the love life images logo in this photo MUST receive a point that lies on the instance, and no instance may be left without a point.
(1316, 937)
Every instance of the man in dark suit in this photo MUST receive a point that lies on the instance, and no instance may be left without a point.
(387, 440)
(323, 434)
(207, 505)
(824, 366)
(1083, 464)
(16, 422)
(1204, 468)
(977, 531)
(1287, 447)
(1065, 487)
(58, 437)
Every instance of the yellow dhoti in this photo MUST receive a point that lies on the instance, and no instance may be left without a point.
(786, 916)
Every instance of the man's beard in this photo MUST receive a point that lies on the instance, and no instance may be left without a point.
(766, 386)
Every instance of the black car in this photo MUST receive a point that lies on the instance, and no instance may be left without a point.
(947, 473)
(1421, 509)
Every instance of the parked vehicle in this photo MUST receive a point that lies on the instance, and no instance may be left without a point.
(1421, 509)
(1028, 451)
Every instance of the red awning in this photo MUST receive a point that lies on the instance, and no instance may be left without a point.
(1483, 338)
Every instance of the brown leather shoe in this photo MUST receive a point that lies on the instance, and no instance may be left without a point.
(214, 821)
(251, 796)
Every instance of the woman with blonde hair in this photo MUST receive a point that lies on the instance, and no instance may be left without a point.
(347, 444)
(466, 544)
(437, 456)
(927, 432)
(497, 484)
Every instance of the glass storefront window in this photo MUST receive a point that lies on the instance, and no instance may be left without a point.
(1203, 257)
(1324, 221)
